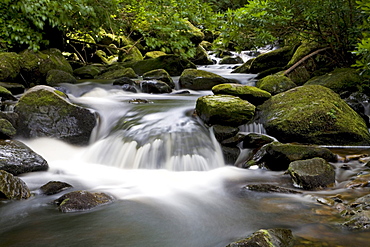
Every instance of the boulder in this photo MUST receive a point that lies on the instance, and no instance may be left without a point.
(14, 88)
(275, 84)
(54, 187)
(102, 57)
(161, 75)
(17, 158)
(339, 80)
(313, 114)
(123, 81)
(55, 77)
(277, 237)
(154, 54)
(224, 132)
(200, 80)
(312, 174)
(10, 66)
(277, 156)
(252, 94)
(45, 111)
(88, 71)
(231, 60)
(117, 72)
(201, 57)
(12, 188)
(173, 64)
(224, 110)
(5, 94)
(7, 130)
(81, 201)
(155, 87)
(132, 54)
(255, 140)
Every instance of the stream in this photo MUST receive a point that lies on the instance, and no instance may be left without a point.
(167, 174)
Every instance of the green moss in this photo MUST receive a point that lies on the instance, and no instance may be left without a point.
(303, 50)
(275, 84)
(154, 54)
(10, 66)
(7, 128)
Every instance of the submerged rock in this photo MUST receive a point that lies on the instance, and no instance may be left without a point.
(252, 94)
(277, 156)
(81, 201)
(312, 174)
(17, 158)
(224, 110)
(54, 187)
(12, 188)
(278, 237)
(44, 111)
(270, 188)
(313, 114)
(200, 80)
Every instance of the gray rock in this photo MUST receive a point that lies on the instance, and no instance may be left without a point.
(155, 87)
(200, 80)
(160, 75)
(54, 187)
(12, 188)
(224, 132)
(255, 140)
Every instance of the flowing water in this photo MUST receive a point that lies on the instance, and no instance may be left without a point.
(168, 177)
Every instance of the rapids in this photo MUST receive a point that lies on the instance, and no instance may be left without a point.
(171, 185)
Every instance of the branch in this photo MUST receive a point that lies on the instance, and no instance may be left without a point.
(294, 66)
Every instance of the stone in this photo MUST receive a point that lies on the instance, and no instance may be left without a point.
(12, 188)
(82, 201)
(54, 187)
(132, 54)
(155, 87)
(224, 110)
(116, 73)
(161, 75)
(154, 54)
(17, 158)
(277, 156)
(224, 132)
(10, 66)
(313, 115)
(5, 94)
(46, 112)
(200, 80)
(7, 130)
(252, 94)
(270, 188)
(14, 88)
(88, 71)
(231, 60)
(201, 57)
(275, 84)
(55, 77)
(255, 140)
(312, 174)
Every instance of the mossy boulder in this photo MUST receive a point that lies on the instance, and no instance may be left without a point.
(131, 54)
(82, 200)
(200, 80)
(35, 65)
(339, 80)
(117, 72)
(12, 188)
(5, 94)
(252, 94)
(10, 66)
(55, 77)
(88, 71)
(313, 114)
(7, 130)
(17, 158)
(44, 111)
(224, 110)
(102, 57)
(231, 60)
(224, 132)
(154, 86)
(173, 64)
(277, 156)
(312, 174)
(154, 54)
(161, 75)
(14, 88)
(303, 50)
(275, 84)
(201, 57)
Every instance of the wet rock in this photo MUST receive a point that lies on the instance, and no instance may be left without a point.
(277, 156)
(224, 132)
(230, 154)
(359, 181)
(231, 60)
(81, 201)
(224, 110)
(46, 112)
(233, 141)
(201, 57)
(312, 174)
(277, 237)
(7, 130)
(5, 94)
(270, 188)
(200, 80)
(117, 72)
(160, 75)
(255, 140)
(123, 81)
(10, 66)
(252, 94)
(88, 71)
(12, 188)
(54, 187)
(14, 88)
(275, 84)
(155, 87)
(55, 77)
(359, 216)
(17, 158)
(313, 114)
(132, 54)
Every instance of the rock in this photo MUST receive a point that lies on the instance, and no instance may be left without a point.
(252, 94)
(54, 187)
(55, 77)
(132, 54)
(154, 54)
(270, 188)
(201, 57)
(312, 174)
(7, 130)
(14, 88)
(123, 81)
(275, 84)
(277, 237)
(173, 64)
(231, 60)
(224, 132)
(277, 156)
(339, 80)
(161, 75)
(81, 201)
(155, 87)
(116, 73)
(17, 158)
(224, 110)
(358, 102)
(35, 65)
(88, 71)
(276, 58)
(5, 94)
(315, 115)
(10, 66)
(359, 214)
(200, 80)
(12, 188)
(360, 181)
(230, 154)
(44, 111)
(102, 57)
(255, 140)
(233, 141)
